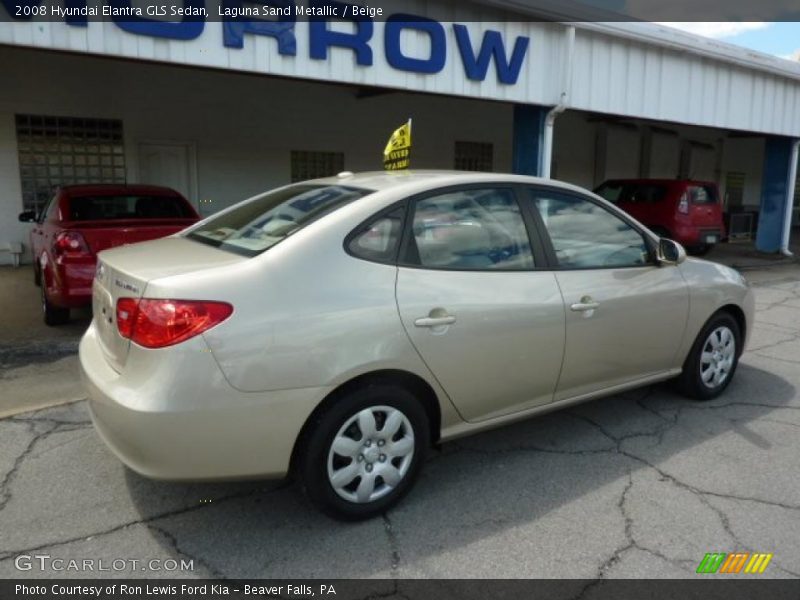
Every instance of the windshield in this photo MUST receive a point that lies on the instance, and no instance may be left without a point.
(618, 192)
(261, 222)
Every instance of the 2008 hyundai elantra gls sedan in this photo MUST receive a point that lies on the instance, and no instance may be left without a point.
(336, 329)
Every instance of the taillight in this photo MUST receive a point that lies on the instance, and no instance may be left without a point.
(683, 205)
(156, 323)
(70, 243)
(126, 313)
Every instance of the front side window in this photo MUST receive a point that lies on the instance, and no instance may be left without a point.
(470, 229)
(257, 224)
(50, 211)
(585, 235)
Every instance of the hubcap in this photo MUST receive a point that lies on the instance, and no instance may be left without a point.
(370, 454)
(716, 359)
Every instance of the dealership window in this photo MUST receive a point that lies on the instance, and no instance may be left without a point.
(56, 151)
(311, 165)
(474, 156)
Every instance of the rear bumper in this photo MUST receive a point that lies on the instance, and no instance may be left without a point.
(698, 236)
(72, 284)
(170, 414)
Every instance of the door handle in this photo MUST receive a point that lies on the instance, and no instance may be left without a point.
(586, 303)
(438, 317)
(435, 321)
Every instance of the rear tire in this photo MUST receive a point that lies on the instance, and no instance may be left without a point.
(37, 275)
(53, 315)
(364, 452)
(713, 359)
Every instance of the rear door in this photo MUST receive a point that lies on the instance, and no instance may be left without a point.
(477, 303)
(625, 315)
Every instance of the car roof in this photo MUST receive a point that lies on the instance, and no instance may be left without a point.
(109, 189)
(422, 178)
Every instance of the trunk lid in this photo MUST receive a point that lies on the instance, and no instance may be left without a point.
(102, 235)
(704, 206)
(125, 272)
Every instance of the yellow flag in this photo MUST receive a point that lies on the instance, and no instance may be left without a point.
(397, 154)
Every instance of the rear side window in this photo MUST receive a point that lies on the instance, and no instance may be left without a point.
(379, 239)
(101, 208)
(702, 194)
(470, 229)
(259, 223)
(632, 193)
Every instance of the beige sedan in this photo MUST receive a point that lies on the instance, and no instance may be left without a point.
(338, 328)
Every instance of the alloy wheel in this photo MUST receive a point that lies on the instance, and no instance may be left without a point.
(717, 357)
(371, 454)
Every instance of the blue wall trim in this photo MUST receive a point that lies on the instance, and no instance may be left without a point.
(774, 193)
(528, 138)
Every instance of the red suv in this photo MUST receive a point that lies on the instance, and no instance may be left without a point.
(686, 211)
(80, 221)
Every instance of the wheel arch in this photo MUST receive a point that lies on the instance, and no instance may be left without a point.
(405, 379)
(741, 320)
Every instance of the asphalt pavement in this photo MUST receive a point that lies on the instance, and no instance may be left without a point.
(642, 484)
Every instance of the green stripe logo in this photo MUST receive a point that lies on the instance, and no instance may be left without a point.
(711, 562)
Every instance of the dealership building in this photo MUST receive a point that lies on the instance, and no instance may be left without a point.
(223, 110)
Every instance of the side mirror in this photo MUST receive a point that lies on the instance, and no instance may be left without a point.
(670, 252)
(29, 216)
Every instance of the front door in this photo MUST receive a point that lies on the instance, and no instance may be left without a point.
(488, 324)
(625, 315)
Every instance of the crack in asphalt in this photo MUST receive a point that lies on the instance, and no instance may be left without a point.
(391, 538)
(174, 544)
(8, 478)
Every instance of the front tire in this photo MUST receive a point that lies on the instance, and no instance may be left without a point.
(364, 452)
(713, 358)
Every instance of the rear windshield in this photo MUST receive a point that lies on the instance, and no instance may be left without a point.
(261, 222)
(101, 208)
(703, 194)
(618, 192)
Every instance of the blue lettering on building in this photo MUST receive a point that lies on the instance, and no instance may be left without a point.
(394, 54)
(282, 29)
(476, 59)
(321, 36)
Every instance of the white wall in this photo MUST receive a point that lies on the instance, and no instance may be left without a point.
(243, 126)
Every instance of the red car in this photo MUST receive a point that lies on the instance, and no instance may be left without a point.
(80, 221)
(686, 211)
